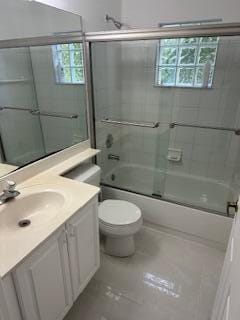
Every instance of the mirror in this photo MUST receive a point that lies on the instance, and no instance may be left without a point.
(42, 97)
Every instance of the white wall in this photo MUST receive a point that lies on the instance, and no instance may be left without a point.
(140, 14)
(93, 12)
(148, 13)
(33, 18)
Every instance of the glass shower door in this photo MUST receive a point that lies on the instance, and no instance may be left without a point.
(130, 163)
(201, 178)
(125, 91)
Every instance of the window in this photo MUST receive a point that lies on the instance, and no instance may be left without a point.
(186, 62)
(68, 63)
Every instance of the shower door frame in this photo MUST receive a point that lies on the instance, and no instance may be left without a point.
(206, 30)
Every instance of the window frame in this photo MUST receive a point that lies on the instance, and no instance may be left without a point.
(177, 66)
(56, 52)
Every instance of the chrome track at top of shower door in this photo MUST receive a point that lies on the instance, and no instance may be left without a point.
(207, 30)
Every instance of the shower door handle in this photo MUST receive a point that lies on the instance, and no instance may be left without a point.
(132, 123)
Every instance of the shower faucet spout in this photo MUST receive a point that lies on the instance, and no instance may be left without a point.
(113, 157)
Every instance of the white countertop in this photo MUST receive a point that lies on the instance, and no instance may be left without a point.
(72, 162)
(6, 168)
(15, 246)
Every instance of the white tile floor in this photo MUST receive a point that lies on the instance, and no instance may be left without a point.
(168, 278)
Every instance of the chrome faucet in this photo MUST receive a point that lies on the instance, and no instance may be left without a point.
(113, 157)
(9, 192)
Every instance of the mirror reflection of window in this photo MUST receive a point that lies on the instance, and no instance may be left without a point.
(68, 63)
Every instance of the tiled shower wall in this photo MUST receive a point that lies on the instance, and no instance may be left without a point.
(206, 153)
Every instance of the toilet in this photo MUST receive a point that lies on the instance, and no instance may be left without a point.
(119, 220)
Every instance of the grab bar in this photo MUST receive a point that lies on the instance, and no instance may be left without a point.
(8, 81)
(54, 114)
(15, 108)
(132, 123)
(41, 113)
(171, 125)
(177, 124)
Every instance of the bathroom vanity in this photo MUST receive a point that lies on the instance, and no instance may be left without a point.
(45, 265)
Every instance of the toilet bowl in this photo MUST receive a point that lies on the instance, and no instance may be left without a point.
(119, 220)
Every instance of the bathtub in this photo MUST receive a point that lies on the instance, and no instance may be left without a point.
(204, 193)
(185, 202)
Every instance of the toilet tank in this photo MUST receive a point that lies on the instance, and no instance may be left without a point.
(86, 172)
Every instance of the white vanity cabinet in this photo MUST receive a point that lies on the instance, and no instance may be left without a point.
(49, 280)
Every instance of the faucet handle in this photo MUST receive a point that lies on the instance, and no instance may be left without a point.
(10, 185)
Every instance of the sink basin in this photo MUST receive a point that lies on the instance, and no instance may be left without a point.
(30, 209)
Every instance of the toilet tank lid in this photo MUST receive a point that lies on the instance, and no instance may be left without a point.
(83, 172)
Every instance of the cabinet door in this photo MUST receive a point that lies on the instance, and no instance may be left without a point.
(43, 281)
(4, 314)
(83, 241)
(9, 306)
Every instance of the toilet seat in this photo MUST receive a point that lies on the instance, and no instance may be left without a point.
(118, 213)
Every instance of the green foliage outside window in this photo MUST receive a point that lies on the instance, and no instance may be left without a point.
(181, 62)
(68, 62)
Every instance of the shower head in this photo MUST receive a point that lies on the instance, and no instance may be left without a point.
(116, 23)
